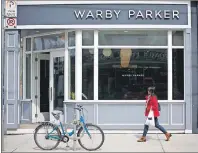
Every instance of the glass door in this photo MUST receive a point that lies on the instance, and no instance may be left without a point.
(56, 81)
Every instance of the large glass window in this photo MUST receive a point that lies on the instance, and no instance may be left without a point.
(127, 73)
(178, 74)
(88, 74)
(133, 38)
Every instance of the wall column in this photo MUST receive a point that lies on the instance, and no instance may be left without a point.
(194, 66)
(11, 83)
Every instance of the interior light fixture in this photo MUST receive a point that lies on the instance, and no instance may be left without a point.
(125, 55)
(107, 52)
(91, 51)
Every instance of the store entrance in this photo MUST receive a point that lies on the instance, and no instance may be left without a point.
(42, 79)
(49, 84)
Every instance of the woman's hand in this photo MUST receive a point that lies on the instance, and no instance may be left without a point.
(147, 109)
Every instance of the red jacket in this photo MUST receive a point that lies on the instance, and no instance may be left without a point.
(153, 102)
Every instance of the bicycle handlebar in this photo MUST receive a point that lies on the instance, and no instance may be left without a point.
(79, 107)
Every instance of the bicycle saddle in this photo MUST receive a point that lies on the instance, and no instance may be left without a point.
(56, 115)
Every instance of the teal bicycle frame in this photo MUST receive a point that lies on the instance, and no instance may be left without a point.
(64, 133)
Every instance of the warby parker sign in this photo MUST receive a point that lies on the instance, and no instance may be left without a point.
(103, 14)
(137, 14)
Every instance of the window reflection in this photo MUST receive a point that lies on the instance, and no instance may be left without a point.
(130, 38)
(28, 44)
(178, 38)
(49, 42)
(58, 83)
(118, 81)
(28, 76)
(71, 71)
(88, 38)
(71, 39)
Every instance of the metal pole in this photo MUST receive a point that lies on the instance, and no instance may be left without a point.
(3, 129)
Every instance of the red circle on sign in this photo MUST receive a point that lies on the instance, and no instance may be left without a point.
(11, 21)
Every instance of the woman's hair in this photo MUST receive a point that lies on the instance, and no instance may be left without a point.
(152, 91)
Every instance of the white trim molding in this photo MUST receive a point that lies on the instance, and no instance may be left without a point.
(104, 26)
(99, 2)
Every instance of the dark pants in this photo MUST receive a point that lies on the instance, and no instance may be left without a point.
(157, 125)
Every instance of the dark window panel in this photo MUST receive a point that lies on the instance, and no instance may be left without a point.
(178, 74)
(88, 74)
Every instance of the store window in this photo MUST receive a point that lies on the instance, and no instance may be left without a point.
(28, 76)
(71, 39)
(178, 74)
(125, 74)
(88, 74)
(87, 65)
(49, 42)
(71, 64)
(178, 38)
(28, 44)
(133, 38)
(88, 38)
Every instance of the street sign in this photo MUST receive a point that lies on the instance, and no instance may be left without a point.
(11, 23)
(11, 8)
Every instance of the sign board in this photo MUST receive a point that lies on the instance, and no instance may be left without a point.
(11, 9)
(103, 14)
(10, 23)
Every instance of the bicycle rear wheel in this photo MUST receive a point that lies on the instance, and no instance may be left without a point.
(43, 134)
(99, 133)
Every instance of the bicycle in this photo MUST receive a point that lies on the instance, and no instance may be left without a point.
(64, 136)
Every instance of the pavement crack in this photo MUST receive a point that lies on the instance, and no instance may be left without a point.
(161, 143)
(14, 150)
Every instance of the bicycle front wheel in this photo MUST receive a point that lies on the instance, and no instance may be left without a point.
(93, 141)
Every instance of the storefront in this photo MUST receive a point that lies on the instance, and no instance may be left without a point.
(103, 56)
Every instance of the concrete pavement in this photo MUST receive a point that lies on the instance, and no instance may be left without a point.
(113, 143)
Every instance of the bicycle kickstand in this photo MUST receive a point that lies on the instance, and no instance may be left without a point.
(67, 145)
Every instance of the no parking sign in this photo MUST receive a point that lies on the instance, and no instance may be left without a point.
(11, 23)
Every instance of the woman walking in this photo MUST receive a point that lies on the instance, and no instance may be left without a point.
(152, 103)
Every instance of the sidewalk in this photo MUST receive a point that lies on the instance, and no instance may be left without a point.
(113, 143)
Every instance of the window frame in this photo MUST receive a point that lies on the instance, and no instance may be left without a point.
(78, 49)
(169, 48)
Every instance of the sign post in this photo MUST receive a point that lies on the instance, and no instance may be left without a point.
(11, 14)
